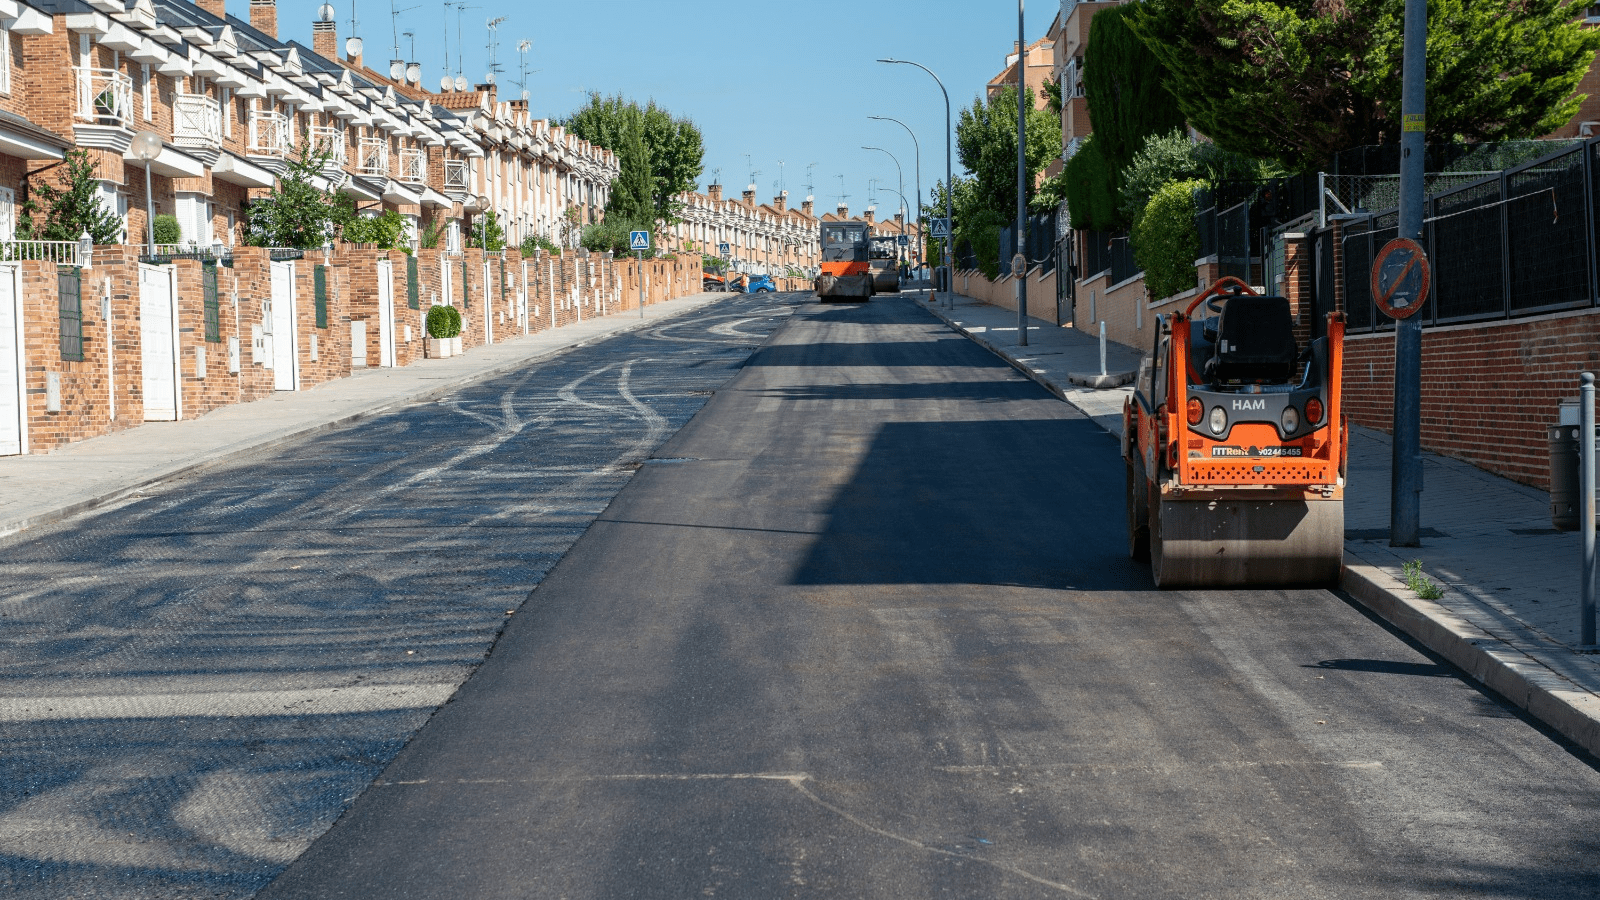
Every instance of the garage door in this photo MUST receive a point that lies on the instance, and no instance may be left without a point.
(285, 336)
(13, 421)
(158, 343)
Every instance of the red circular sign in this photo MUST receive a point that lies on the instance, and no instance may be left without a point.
(1401, 278)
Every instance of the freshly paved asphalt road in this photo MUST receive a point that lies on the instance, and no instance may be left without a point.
(866, 628)
(196, 683)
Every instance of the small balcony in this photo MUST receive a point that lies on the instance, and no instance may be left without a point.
(269, 135)
(325, 139)
(197, 122)
(413, 166)
(455, 178)
(105, 97)
(373, 157)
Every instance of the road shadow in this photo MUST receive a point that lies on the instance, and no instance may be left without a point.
(980, 502)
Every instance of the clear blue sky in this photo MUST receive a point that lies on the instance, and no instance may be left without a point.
(778, 81)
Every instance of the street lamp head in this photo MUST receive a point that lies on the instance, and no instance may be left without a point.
(146, 145)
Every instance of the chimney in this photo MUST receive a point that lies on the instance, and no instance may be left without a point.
(215, 7)
(844, 211)
(325, 39)
(900, 220)
(714, 191)
(781, 202)
(807, 206)
(264, 17)
(870, 211)
(750, 196)
(486, 89)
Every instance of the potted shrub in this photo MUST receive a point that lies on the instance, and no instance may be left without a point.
(454, 329)
(439, 344)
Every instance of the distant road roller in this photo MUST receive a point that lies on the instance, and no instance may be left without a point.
(846, 270)
(885, 264)
(1235, 447)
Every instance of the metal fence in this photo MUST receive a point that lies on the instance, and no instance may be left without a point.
(1039, 246)
(1517, 242)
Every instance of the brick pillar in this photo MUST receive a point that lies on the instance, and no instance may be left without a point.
(325, 40)
(215, 7)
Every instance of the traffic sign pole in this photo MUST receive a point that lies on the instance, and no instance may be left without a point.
(1405, 491)
(639, 241)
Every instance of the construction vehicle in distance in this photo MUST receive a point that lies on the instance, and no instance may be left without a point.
(846, 272)
(1236, 467)
(884, 261)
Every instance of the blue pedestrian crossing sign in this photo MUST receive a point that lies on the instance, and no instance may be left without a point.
(722, 249)
(638, 240)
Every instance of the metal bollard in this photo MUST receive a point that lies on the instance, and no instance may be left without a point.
(1586, 504)
(1102, 348)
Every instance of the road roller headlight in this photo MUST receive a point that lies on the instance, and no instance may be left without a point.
(1313, 411)
(1219, 420)
(1194, 409)
(1290, 420)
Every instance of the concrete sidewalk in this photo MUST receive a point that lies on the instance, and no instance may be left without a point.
(36, 489)
(1509, 615)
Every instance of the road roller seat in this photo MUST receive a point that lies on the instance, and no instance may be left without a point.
(1255, 342)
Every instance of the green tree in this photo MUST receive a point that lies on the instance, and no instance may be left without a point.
(1126, 87)
(1175, 157)
(297, 213)
(384, 230)
(669, 150)
(986, 141)
(1299, 80)
(168, 231)
(487, 227)
(539, 242)
(73, 206)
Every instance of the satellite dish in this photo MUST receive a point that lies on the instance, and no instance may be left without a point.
(414, 73)
(352, 47)
(461, 83)
(445, 83)
(325, 12)
(489, 78)
(397, 70)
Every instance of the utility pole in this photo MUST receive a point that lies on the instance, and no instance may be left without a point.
(1021, 272)
(1405, 493)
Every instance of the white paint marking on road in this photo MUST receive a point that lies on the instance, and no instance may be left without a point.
(227, 704)
(690, 776)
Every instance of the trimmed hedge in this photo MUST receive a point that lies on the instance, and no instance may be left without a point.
(1165, 240)
(443, 322)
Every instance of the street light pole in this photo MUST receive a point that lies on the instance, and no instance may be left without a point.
(898, 171)
(949, 299)
(917, 149)
(1022, 182)
(1405, 493)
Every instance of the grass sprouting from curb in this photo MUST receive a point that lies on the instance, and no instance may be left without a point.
(1419, 583)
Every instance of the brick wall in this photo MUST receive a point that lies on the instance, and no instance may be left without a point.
(1003, 293)
(84, 386)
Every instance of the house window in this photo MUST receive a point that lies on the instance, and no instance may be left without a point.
(69, 285)
(117, 204)
(208, 283)
(147, 89)
(8, 214)
(227, 119)
(194, 219)
(5, 60)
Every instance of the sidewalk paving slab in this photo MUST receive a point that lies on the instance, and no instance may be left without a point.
(1509, 615)
(39, 488)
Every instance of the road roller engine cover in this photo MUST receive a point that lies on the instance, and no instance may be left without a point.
(1235, 447)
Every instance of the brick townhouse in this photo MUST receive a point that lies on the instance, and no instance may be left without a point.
(771, 238)
(95, 339)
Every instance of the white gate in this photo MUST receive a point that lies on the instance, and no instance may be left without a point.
(13, 400)
(385, 314)
(158, 343)
(285, 330)
(488, 306)
(444, 280)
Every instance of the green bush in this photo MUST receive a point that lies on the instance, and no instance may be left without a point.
(1175, 157)
(167, 229)
(1092, 189)
(385, 231)
(1165, 240)
(444, 322)
(535, 242)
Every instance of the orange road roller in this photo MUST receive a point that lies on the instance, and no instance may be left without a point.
(1235, 447)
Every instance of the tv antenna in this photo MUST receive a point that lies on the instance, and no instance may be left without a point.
(842, 195)
(493, 47)
(811, 188)
(460, 57)
(394, 28)
(716, 175)
(523, 46)
(779, 183)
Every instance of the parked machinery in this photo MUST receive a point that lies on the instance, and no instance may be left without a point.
(1236, 467)
(884, 261)
(846, 273)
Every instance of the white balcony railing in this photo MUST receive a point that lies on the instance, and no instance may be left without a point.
(455, 175)
(105, 97)
(63, 253)
(413, 166)
(197, 122)
(325, 139)
(373, 158)
(269, 134)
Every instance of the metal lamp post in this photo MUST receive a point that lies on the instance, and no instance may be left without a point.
(1021, 273)
(948, 190)
(146, 145)
(897, 169)
(483, 222)
(917, 149)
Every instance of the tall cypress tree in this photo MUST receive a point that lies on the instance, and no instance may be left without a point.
(1127, 89)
